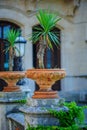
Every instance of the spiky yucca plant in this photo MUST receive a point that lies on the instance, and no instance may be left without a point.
(11, 37)
(45, 33)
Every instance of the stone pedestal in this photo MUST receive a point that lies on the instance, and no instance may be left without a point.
(9, 104)
(36, 112)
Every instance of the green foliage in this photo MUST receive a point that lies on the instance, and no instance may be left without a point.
(11, 37)
(74, 127)
(75, 115)
(45, 31)
(23, 101)
(73, 119)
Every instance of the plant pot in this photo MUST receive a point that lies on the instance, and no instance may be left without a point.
(11, 78)
(45, 78)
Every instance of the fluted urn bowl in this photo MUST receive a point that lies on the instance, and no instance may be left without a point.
(11, 78)
(45, 78)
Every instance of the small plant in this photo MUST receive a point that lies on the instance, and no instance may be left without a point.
(45, 33)
(73, 116)
(11, 37)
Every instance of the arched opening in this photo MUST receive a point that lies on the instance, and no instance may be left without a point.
(52, 59)
(5, 26)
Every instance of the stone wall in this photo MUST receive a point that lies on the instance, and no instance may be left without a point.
(75, 53)
(9, 104)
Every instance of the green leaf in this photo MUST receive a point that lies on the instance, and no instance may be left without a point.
(47, 22)
(11, 37)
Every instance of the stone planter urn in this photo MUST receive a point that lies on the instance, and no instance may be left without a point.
(11, 78)
(45, 78)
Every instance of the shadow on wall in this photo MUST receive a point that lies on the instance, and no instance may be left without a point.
(27, 84)
(2, 84)
(57, 86)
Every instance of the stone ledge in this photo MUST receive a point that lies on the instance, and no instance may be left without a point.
(78, 96)
(8, 97)
(44, 102)
(16, 117)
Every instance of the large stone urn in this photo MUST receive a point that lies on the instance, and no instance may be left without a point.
(45, 78)
(11, 78)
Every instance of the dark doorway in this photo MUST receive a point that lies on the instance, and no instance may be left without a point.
(1, 55)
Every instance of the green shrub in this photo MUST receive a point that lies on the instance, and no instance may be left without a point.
(53, 128)
(75, 115)
(23, 101)
(72, 119)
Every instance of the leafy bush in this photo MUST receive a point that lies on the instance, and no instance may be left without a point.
(72, 119)
(75, 115)
(75, 127)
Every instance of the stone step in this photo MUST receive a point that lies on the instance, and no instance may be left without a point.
(16, 121)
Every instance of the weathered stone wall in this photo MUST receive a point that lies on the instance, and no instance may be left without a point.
(8, 104)
(75, 52)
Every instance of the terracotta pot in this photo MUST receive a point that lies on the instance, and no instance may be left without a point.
(11, 78)
(45, 78)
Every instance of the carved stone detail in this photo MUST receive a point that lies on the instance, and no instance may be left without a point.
(77, 3)
(30, 5)
(72, 7)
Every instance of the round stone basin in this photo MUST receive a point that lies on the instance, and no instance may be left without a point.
(45, 78)
(11, 78)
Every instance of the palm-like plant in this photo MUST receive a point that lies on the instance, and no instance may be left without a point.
(11, 37)
(45, 33)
